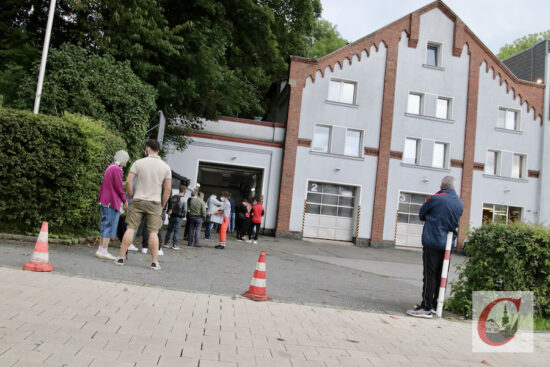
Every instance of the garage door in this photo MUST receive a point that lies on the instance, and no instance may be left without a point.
(409, 226)
(329, 211)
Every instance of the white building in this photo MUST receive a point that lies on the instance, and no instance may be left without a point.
(373, 127)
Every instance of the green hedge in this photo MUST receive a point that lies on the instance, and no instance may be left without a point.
(51, 169)
(514, 257)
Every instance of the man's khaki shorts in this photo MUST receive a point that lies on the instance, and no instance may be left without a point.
(152, 211)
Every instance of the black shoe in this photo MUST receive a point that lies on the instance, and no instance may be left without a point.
(217, 246)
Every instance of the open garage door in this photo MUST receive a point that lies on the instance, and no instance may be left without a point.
(241, 182)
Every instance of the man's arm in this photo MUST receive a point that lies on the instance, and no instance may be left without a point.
(130, 185)
(425, 208)
(167, 189)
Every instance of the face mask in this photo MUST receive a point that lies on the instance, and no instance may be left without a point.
(223, 199)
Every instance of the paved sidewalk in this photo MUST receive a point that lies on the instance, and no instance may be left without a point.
(47, 319)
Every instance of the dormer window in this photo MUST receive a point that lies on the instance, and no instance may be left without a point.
(342, 91)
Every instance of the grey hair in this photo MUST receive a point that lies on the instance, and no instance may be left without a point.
(122, 156)
(448, 183)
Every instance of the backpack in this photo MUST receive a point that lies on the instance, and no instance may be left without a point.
(178, 206)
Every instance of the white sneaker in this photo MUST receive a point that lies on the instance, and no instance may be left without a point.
(161, 252)
(143, 250)
(132, 248)
(248, 241)
(255, 242)
(155, 266)
(104, 255)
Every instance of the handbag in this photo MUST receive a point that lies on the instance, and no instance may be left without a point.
(216, 218)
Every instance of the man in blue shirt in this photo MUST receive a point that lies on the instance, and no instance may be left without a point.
(441, 214)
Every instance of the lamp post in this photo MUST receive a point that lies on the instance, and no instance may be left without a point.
(44, 57)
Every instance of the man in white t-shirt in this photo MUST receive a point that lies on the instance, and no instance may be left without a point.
(147, 199)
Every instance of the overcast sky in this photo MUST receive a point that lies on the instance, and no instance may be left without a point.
(495, 22)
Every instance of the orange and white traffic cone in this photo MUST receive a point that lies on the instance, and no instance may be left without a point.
(39, 258)
(257, 291)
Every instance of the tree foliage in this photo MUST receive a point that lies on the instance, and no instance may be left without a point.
(95, 86)
(325, 39)
(205, 58)
(521, 44)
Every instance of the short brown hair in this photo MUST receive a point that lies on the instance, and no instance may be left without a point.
(153, 144)
(183, 188)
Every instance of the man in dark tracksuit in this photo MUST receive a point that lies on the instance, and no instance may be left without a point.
(441, 214)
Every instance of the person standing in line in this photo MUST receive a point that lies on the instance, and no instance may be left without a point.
(187, 219)
(212, 205)
(177, 210)
(232, 216)
(441, 214)
(147, 201)
(243, 219)
(225, 209)
(197, 214)
(112, 199)
(257, 212)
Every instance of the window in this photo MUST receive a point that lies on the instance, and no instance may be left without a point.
(442, 109)
(329, 199)
(518, 164)
(353, 143)
(409, 206)
(410, 154)
(341, 91)
(493, 213)
(492, 163)
(415, 103)
(321, 139)
(439, 159)
(508, 119)
(432, 55)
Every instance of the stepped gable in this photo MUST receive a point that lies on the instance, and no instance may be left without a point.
(390, 35)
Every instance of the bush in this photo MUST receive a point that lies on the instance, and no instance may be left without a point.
(514, 257)
(51, 169)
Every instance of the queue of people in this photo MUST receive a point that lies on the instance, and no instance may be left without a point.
(147, 201)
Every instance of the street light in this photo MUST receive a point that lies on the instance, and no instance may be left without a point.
(44, 57)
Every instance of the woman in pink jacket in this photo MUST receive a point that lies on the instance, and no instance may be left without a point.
(112, 200)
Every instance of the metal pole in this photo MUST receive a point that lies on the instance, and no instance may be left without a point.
(444, 273)
(44, 57)
(162, 124)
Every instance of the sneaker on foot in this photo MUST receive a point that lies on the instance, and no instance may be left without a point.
(119, 260)
(166, 245)
(433, 309)
(132, 248)
(144, 250)
(161, 252)
(105, 255)
(420, 312)
(255, 242)
(155, 266)
(175, 247)
(248, 241)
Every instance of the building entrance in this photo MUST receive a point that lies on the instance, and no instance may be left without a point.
(242, 182)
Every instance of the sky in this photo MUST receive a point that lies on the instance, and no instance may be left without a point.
(495, 22)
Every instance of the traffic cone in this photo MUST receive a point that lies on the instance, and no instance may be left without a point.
(39, 258)
(257, 292)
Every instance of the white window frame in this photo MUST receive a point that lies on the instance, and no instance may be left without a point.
(418, 151)
(449, 107)
(507, 211)
(420, 106)
(498, 162)
(339, 100)
(439, 56)
(360, 150)
(446, 153)
(517, 122)
(523, 165)
(329, 144)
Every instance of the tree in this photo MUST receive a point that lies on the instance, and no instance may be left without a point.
(325, 39)
(96, 86)
(521, 44)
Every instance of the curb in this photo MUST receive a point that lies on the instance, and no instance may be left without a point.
(57, 241)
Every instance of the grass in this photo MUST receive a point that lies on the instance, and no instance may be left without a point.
(541, 323)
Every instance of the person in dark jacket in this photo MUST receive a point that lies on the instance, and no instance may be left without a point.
(177, 210)
(243, 219)
(441, 214)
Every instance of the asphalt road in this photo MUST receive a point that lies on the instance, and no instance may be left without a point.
(303, 272)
